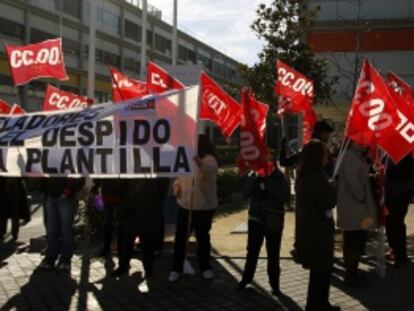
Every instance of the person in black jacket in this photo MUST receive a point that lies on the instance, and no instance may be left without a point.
(111, 191)
(141, 214)
(14, 205)
(61, 208)
(399, 188)
(267, 196)
(316, 198)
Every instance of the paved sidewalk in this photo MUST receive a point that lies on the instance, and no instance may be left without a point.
(89, 286)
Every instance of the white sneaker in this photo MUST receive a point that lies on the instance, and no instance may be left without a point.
(188, 268)
(208, 274)
(174, 276)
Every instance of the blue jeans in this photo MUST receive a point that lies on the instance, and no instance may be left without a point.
(60, 214)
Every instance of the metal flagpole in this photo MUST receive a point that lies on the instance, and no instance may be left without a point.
(174, 36)
(144, 39)
(60, 29)
(92, 46)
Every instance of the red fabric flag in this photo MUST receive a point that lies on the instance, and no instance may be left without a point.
(4, 107)
(218, 106)
(17, 109)
(124, 88)
(309, 121)
(159, 81)
(34, 61)
(372, 116)
(401, 87)
(253, 150)
(401, 141)
(295, 88)
(56, 99)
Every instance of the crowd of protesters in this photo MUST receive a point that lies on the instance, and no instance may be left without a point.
(137, 204)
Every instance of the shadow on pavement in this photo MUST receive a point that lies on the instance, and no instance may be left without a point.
(394, 292)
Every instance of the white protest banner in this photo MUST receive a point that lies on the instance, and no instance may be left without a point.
(147, 138)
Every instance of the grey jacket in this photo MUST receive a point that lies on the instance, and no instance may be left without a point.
(356, 203)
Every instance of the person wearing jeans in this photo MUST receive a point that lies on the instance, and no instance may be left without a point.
(60, 209)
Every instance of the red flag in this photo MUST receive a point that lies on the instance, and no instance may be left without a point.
(309, 121)
(17, 109)
(401, 141)
(4, 107)
(159, 81)
(124, 88)
(401, 87)
(34, 61)
(372, 116)
(253, 150)
(218, 106)
(56, 99)
(295, 88)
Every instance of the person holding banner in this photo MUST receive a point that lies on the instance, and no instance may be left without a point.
(357, 213)
(111, 191)
(197, 199)
(14, 206)
(141, 214)
(399, 188)
(316, 198)
(267, 196)
(60, 209)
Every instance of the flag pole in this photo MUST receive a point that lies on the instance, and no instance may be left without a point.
(144, 38)
(91, 49)
(174, 35)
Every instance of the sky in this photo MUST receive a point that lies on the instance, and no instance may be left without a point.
(224, 24)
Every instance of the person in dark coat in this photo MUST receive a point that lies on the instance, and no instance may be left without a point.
(141, 214)
(315, 238)
(111, 191)
(14, 205)
(267, 196)
(399, 188)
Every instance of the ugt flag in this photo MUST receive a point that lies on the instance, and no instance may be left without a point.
(295, 90)
(218, 106)
(124, 88)
(159, 81)
(56, 99)
(372, 116)
(34, 61)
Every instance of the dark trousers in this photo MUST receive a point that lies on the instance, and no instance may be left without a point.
(353, 248)
(15, 226)
(201, 224)
(148, 241)
(108, 226)
(256, 235)
(395, 225)
(318, 290)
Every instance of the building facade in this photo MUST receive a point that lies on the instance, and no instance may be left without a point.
(118, 44)
(347, 31)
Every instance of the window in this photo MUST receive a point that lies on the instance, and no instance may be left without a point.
(108, 19)
(11, 29)
(111, 58)
(6, 85)
(38, 35)
(132, 31)
(70, 46)
(205, 60)
(132, 64)
(71, 7)
(36, 89)
(149, 38)
(162, 44)
(182, 53)
(191, 56)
